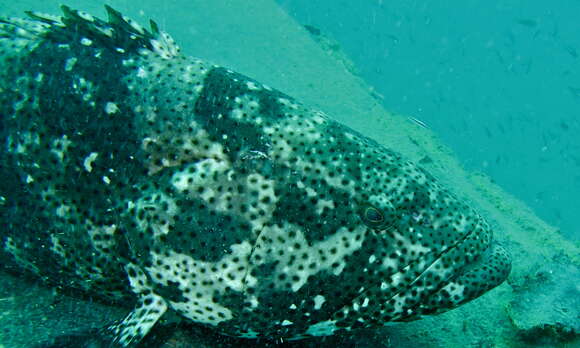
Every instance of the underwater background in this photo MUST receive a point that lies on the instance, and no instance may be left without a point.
(497, 83)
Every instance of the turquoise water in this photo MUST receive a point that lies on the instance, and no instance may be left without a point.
(498, 81)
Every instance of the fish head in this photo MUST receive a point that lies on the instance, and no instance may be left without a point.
(361, 237)
(428, 251)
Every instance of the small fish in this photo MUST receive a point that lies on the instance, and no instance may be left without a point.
(530, 23)
(571, 51)
(575, 91)
(418, 122)
(393, 38)
(132, 173)
(313, 30)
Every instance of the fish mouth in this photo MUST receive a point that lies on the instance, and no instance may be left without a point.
(457, 284)
(486, 272)
(440, 281)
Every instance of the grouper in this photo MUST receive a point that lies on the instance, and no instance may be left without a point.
(132, 173)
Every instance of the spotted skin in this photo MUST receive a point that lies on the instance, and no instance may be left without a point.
(134, 173)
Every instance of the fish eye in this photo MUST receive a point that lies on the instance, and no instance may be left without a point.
(372, 216)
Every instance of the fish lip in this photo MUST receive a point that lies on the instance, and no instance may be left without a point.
(425, 306)
(434, 256)
(401, 272)
(490, 268)
(440, 254)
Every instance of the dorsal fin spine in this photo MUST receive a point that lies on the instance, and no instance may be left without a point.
(119, 32)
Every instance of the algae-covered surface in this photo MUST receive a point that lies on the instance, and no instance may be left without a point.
(537, 307)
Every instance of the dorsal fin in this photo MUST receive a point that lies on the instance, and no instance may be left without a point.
(19, 28)
(44, 17)
(119, 32)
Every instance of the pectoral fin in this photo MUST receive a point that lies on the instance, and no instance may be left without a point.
(123, 334)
